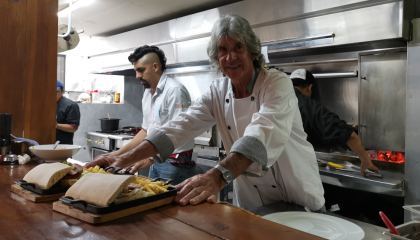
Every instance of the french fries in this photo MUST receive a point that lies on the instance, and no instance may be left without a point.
(152, 187)
(96, 169)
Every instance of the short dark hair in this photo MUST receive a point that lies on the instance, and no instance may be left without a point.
(141, 51)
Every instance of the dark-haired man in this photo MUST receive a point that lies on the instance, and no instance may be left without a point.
(321, 125)
(68, 117)
(163, 99)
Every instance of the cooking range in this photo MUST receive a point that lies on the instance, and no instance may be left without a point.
(106, 142)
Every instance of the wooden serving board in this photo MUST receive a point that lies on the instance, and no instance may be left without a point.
(101, 218)
(33, 197)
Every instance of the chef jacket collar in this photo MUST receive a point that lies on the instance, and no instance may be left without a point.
(251, 82)
(162, 82)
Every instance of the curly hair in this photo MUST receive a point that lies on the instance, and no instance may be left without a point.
(141, 51)
(239, 29)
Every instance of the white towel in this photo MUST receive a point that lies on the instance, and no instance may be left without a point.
(24, 159)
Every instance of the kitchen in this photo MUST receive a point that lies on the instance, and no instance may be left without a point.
(349, 54)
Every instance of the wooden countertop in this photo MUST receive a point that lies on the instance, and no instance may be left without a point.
(22, 219)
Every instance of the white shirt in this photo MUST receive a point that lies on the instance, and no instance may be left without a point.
(271, 134)
(170, 99)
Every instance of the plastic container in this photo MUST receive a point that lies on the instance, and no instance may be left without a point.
(409, 230)
(117, 97)
(95, 96)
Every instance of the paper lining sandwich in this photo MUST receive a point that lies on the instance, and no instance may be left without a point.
(44, 176)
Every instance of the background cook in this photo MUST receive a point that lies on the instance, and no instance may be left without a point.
(68, 117)
(163, 99)
(322, 126)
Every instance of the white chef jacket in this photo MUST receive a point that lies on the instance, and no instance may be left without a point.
(284, 167)
(170, 99)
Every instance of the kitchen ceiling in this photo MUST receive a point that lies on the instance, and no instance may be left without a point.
(104, 18)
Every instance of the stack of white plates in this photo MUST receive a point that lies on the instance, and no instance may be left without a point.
(321, 225)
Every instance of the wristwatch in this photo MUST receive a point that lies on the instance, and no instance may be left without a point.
(227, 175)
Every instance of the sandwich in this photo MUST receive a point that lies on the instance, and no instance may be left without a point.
(105, 189)
(44, 176)
(78, 172)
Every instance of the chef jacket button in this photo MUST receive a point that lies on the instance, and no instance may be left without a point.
(227, 100)
(273, 186)
(229, 127)
(255, 186)
(252, 98)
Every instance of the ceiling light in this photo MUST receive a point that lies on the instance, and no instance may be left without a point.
(80, 3)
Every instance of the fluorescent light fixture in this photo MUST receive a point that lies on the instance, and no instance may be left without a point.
(80, 3)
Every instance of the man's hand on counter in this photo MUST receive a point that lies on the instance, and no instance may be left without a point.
(104, 160)
(200, 188)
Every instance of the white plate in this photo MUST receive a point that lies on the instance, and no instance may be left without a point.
(321, 225)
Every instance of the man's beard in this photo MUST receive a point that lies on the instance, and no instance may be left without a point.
(146, 85)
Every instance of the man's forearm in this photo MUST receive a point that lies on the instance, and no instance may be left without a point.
(143, 151)
(355, 144)
(135, 142)
(236, 163)
(66, 127)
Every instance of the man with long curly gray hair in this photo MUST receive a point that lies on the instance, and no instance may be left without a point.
(258, 118)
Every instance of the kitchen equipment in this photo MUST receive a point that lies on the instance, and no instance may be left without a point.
(95, 96)
(109, 124)
(55, 189)
(349, 165)
(85, 97)
(4, 147)
(117, 97)
(108, 98)
(10, 159)
(86, 207)
(389, 224)
(55, 145)
(34, 197)
(331, 164)
(129, 129)
(321, 225)
(60, 154)
(69, 42)
(409, 230)
(6, 126)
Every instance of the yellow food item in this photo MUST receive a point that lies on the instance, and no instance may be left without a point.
(148, 189)
(159, 183)
(95, 169)
(90, 169)
(335, 165)
(151, 187)
(102, 171)
(161, 189)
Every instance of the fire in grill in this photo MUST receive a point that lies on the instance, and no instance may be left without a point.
(389, 156)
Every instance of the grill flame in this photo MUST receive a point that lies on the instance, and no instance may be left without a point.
(389, 156)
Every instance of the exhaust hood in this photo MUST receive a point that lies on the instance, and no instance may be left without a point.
(299, 26)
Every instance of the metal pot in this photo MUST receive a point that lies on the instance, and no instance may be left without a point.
(109, 124)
